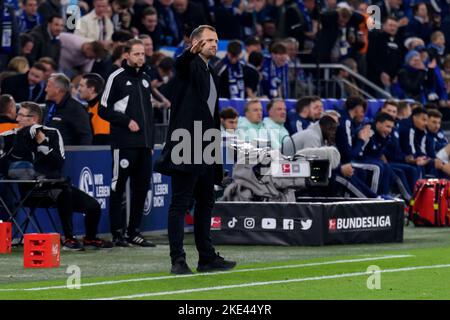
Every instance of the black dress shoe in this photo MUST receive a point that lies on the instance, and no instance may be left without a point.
(218, 264)
(180, 267)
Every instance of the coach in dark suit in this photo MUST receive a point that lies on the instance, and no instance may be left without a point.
(194, 104)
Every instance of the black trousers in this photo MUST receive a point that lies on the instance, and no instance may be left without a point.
(72, 199)
(136, 164)
(185, 187)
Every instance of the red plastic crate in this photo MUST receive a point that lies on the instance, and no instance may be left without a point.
(5, 237)
(41, 250)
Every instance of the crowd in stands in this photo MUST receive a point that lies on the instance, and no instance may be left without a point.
(405, 51)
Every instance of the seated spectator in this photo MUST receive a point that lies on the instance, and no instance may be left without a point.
(96, 25)
(274, 123)
(343, 84)
(251, 126)
(7, 113)
(404, 110)
(90, 90)
(121, 14)
(78, 53)
(417, 146)
(252, 44)
(17, 65)
(26, 45)
(384, 56)
(297, 85)
(413, 75)
(65, 113)
(351, 136)
(46, 39)
(28, 86)
(393, 153)
(319, 134)
(43, 147)
(436, 48)
(275, 77)
(228, 20)
(149, 25)
(236, 79)
(148, 47)
(50, 66)
(373, 152)
(50, 8)
(189, 13)
(29, 17)
(169, 23)
(229, 121)
(308, 109)
(9, 40)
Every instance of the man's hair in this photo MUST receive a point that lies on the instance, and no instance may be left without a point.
(144, 36)
(278, 48)
(436, 35)
(434, 113)
(33, 109)
(256, 58)
(402, 105)
(303, 103)
(418, 111)
(123, 4)
(94, 80)
(249, 103)
(121, 36)
(391, 103)
(149, 11)
(166, 64)
(54, 16)
(234, 48)
(39, 66)
(132, 42)
(344, 12)
(291, 40)
(382, 117)
(61, 81)
(197, 32)
(50, 61)
(250, 41)
(98, 49)
(328, 126)
(315, 98)
(5, 100)
(228, 113)
(354, 101)
(393, 18)
(272, 103)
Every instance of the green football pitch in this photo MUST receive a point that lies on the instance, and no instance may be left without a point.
(418, 268)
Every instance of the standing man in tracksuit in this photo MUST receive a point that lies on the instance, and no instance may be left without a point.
(126, 104)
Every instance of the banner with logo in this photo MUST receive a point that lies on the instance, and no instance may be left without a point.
(312, 222)
(363, 222)
(266, 223)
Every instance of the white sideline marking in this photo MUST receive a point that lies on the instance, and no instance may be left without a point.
(254, 284)
(216, 273)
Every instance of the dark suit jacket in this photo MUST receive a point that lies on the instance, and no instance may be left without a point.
(189, 104)
(43, 45)
(18, 87)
